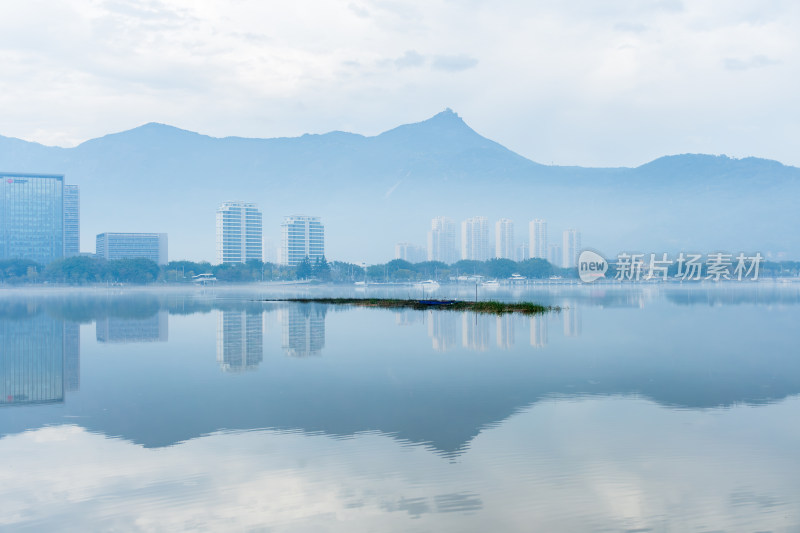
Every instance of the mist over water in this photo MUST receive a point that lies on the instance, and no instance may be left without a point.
(643, 407)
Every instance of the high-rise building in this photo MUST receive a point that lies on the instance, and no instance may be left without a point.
(72, 220)
(238, 233)
(240, 340)
(152, 246)
(538, 239)
(31, 216)
(442, 240)
(554, 254)
(409, 252)
(504, 239)
(522, 252)
(571, 248)
(301, 236)
(475, 239)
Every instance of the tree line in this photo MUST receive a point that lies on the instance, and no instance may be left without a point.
(86, 270)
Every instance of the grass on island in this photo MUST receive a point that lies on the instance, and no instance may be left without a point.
(491, 307)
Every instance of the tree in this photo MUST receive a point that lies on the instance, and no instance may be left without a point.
(304, 269)
(322, 270)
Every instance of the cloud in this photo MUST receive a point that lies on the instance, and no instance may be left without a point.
(757, 61)
(410, 58)
(454, 63)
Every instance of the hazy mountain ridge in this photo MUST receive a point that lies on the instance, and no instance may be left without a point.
(374, 191)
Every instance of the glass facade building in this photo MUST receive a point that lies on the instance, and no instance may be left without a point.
(72, 220)
(302, 236)
(31, 216)
(152, 246)
(239, 229)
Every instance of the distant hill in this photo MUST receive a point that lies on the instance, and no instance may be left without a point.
(375, 191)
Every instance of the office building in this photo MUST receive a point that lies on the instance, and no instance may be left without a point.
(571, 248)
(538, 239)
(522, 251)
(240, 340)
(442, 240)
(504, 239)
(409, 252)
(31, 216)
(475, 239)
(238, 233)
(72, 220)
(301, 236)
(152, 246)
(554, 254)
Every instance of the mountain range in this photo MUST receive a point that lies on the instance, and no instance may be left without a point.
(372, 192)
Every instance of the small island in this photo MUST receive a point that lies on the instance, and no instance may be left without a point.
(490, 307)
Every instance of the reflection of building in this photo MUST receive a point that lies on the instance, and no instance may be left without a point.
(474, 331)
(475, 239)
(72, 220)
(238, 233)
(505, 331)
(72, 356)
(538, 238)
(571, 248)
(113, 329)
(31, 217)
(572, 322)
(31, 360)
(301, 237)
(302, 329)
(504, 239)
(407, 317)
(240, 340)
(152, 246)
(442, 329)
(442, 240)
(538, 331)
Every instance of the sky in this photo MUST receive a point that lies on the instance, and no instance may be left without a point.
(612, 83)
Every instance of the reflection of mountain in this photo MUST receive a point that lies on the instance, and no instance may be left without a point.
(114, 329)
(303, 329)
(240, 341)
(377, 384)
(31, 360)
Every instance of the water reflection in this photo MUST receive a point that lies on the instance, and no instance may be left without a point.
(240, 340)
(442, 328)
(538, 325)
(124, 330)
(303, 329)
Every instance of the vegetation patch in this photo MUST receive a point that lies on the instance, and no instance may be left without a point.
(490, 307)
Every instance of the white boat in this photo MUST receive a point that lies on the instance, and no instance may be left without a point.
(428, 284)
(491, 284)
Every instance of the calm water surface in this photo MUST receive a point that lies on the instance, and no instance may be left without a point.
(638, 409)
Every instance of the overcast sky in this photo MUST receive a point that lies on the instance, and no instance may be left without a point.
(611, 83)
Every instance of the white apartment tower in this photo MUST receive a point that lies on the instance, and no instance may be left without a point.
(302, 236)
(238, 232)
(442, 240)
(538, 237)
(571, 248)
(504, 239)
(475, 239)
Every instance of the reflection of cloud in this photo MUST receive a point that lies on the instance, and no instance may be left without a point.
(454, 63)
(530, 472)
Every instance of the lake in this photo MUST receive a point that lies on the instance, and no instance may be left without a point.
(638, 408)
